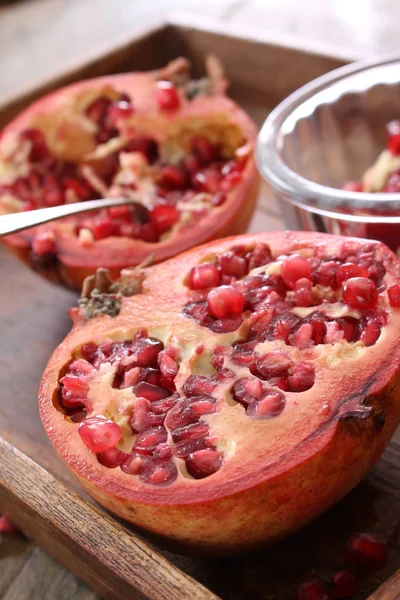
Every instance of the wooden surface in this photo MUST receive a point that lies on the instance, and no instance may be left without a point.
(33, 320)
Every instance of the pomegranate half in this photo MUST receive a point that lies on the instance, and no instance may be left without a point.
(178, 148)
(228, 396)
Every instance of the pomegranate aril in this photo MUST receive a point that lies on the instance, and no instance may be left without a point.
(112, 458)
(325, 273)
(345, 584)
(225, 301)
(196, 385)
(74, 384)
(366, 549)
(104, 227)
(172, 178)
(243, 354)
(349, 327)
(312, 590)
(147, 352)
(369, 332)
(99, 434)
(360, 293)
(44, 243)
(190, 432)
(159, 473)
(203, 463)
(97, 110)
(259, 256)
(152, 376)
(273, 364)
(118, 111)
(302, 292)
(139, 417)
(393, 131)
(180, 416)
(349, 270)
(203, 149)
(225, 325)
(318, 322)
(164, 405)
(145, 145)
(39, 150)
(301, 378)
(283, 326)
(202, 405)
(247, 390)
(150, 392)
(168, 368)
(191, 164)
(203, 276)
(166, 96)
(231, 264)
(148, 439)
(293, 268)
(162, 451)
(394, 295)
(6, 527)
(164, 217)
(136, 463)
(271, 404)
(208, 180)
(218, 198)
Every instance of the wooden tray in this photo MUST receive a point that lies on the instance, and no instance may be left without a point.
(37, 491)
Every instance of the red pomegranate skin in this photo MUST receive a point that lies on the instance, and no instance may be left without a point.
(278, 474)
(206, 113)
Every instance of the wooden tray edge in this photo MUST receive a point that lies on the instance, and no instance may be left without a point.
(92, 544)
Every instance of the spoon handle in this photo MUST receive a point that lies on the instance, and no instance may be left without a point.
(19, 221)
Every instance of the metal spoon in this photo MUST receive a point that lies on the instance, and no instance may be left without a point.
(24, 220)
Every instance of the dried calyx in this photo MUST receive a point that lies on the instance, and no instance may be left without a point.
(101, 296)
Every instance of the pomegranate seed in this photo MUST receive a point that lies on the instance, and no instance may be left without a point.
(203, 149)
(140, 414)
(160, 473)
(218, 198)
(150, 392)
(146, 352)
(39, 151)
(312, 590)
(346, 584)
(81, 188)
(367, 549)
(164, 217)
(44, 243)
(120, 212)
(180, 416)
(112, 458)
(370, 332)
(230, 181)
(99, 434)
(145, 146)
(6, 527)
(172, 178)
(152, 376)
(394, 295)
(349, 327)
(259, 256)
(303, 337)
(302, 292)
(302, 377)
(393, 131)
(164, 405)
(191, 164)
(197, 311)
(247, 390)
(203, 405)
(349, 270)
(293, 268)
(81, 367)
(269, 405)
(162, 451)
(360, 292)
(325, 273)
(167, 96)
(231, 264)
(207, 180)
(196, 385)
(148, 439)
(118, 111)
(103, 227)
(190, 432)
(203, 276)
(333, 333)
(136, 463)
(203, 463)
(75, 384)
(225, 301)
(97, 110)
(273, 364)
(168, 368)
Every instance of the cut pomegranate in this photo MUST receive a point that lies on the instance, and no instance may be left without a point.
(346, 584)
(312, 590)
(136, 136)
(201, 402)
(367, 549)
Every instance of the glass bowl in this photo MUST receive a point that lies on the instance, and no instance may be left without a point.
(327, 133)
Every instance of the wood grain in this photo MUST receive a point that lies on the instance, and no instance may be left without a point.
(81, 536)
(113, 559)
